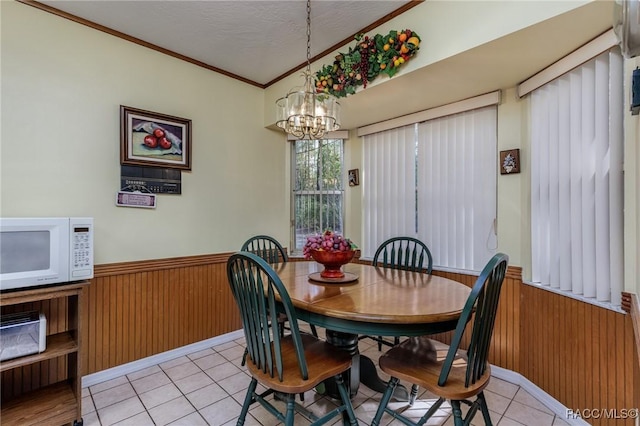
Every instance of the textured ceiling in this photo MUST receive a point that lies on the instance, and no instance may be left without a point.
(260, 41)
(256, 40)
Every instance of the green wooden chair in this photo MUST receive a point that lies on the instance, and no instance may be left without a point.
(267, 248)
(272, 251)
(285, 365)
(404, 253)
(460, 375)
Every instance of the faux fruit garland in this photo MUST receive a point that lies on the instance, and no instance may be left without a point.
(369, 58)
(328, 241)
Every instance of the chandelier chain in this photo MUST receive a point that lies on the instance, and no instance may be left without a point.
(309, 35)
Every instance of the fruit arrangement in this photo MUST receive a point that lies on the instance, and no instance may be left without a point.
(157, 139)
(367, 60)
(327, 241)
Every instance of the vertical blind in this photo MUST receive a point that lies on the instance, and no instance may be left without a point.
(576, 181)
(435, 181)
(389, 188)
(457, 188)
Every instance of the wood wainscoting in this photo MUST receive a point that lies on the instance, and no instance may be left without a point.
(139, 309)
(581, 354)
(631, 305)
(136, 310)
(505, 343)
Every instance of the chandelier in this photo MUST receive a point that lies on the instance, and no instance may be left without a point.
(304, 113)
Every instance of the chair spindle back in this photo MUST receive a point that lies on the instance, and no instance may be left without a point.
(405, 253)
(267, 248)
(258, 291)
(485, 296)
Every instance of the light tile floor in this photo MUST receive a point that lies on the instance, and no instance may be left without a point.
(208, 388)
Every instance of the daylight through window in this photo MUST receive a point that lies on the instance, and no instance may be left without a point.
(318, 188)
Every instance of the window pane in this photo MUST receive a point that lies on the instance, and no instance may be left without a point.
(307, 165)
(317, 188)
(332, 166)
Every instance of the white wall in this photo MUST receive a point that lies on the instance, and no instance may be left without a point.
(62, 85)
(513, 190)
(632, 187)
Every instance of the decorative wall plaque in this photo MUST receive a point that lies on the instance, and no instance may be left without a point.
(510, 162)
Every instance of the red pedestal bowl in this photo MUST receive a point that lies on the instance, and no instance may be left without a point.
(332, 261)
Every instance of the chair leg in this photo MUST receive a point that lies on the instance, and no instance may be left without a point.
(414, 394)
(484, 409)
(248, 399)
(430, 412)
(346, 400)
(457, 413)
(384, 401)
(379, 343)
(244, 357)
(291, 410)
(314, 331)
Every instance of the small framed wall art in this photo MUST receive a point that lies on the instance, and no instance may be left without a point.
(354, 177)
(153, 139)
(510, 162)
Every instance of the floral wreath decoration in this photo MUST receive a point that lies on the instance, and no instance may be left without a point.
(364, 62)
(509, 163)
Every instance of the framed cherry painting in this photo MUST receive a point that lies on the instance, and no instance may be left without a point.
(154, 139)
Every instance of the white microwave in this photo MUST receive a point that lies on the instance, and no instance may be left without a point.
(41, 251)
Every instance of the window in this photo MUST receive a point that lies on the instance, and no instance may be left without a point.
(435, 181)
(576, 181)
(318, 188)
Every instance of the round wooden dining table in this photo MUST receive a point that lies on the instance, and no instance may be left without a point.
(372, 301)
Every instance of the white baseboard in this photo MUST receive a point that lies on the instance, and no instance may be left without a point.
(546, 399)
(121, 370)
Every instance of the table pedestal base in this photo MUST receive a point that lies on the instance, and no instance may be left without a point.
(363, 370)
(349, 343)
